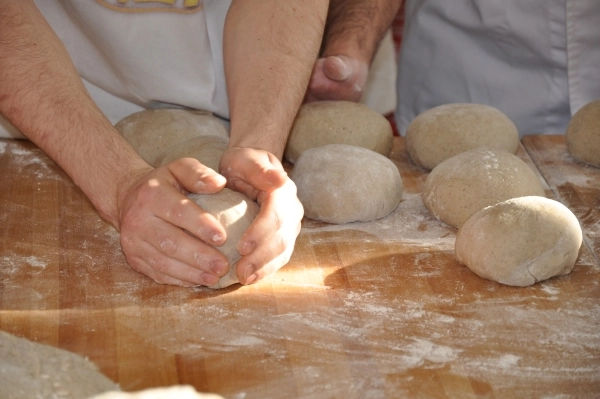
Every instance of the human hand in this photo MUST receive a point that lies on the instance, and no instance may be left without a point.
(269, 242)
(337, 77)
(155, 217)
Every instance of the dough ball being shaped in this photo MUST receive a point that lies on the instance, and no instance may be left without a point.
(152, 132)
(520, 241)
(460, 186)
(447, 130)
(340, 183)
(235, 212)
(583, 134)
(206, 149)
(338, 122)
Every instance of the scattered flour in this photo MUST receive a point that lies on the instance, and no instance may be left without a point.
(12, 264)
(410, 223)
(422, 350)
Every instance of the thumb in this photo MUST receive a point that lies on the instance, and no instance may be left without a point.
(337, 68)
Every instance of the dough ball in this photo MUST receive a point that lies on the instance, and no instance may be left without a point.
(520, 241)
(447, 130)
(152, 132)
(206, 149)
(340, 183)
(583, 134)
(31, 370)
(462, 185)
(235, 212)
(176, 391)
(338, 122)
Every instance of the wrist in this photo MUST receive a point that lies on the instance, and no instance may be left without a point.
(124, 187)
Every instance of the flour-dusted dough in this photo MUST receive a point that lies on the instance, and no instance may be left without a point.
(152, 132)
(583, 134)
(520, 241)
(462, 185)
(31, 370)
(447, 130)
(338, 122)
(173, 392)
(235, 212)
(340, 183)
(206, 149)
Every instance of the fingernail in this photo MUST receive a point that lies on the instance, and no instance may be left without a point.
(217, 239)
(218, 267)
(251, 279)
(246, 248)
(248, 272)
(209, 279)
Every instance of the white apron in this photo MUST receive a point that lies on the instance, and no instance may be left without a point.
(134, 55)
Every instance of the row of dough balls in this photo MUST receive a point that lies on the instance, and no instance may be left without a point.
(161, 136)
(508, 231)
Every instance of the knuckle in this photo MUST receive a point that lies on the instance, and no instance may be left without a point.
(168, 246)
(158, 263)
(147, 192)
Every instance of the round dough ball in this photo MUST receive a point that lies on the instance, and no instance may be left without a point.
(32, 370)
(338, 122)
(447, 130)
(152, 132)
(462, 185)
(235, 212)
(206, 149)
(340, 183)
(583, 134)
(520, 241)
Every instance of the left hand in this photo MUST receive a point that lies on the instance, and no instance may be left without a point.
(337, 77)
(268, 243)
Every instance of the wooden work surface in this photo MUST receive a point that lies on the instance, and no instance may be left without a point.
(365, 310)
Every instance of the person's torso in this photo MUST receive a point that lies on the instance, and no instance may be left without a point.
(151, 53)
(522, 57)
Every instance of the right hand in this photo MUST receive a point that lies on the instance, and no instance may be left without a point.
(155, 217)
(337, 77)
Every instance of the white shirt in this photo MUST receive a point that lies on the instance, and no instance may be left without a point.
(538, 61)
(148, 53)
(133, 55)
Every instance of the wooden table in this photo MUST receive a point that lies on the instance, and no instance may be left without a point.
(365, 310)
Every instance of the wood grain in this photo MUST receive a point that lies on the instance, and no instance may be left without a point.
(573, 183)
(365, 310)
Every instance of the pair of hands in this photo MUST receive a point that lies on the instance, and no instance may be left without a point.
(155, 214)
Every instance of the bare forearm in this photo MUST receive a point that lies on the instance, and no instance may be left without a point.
(43, 96)
(269, 51)
(356, 27)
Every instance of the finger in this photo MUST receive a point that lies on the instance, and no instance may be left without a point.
(196, 177)
(263, 262)
(173, 207)
(279, 212)
(269, 242)
(336, 69)
(176, 244)
(258, 169)
(166, 270)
